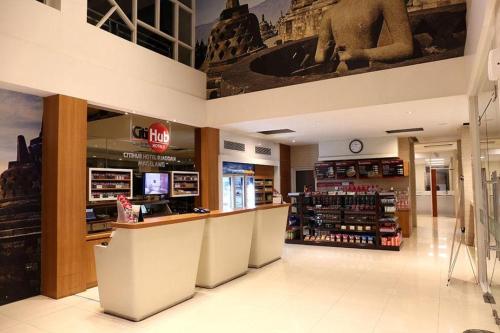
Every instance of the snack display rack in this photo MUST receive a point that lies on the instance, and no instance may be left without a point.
(263, 190)
(107, 184)
(184, 184)
(351, 217)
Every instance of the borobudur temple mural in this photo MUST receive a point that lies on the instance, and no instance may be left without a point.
(20, 188)
(252, 45)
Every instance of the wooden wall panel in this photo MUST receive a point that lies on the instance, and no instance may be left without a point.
(264, 171)
(207, 163)
(285, 171)
(63, 195)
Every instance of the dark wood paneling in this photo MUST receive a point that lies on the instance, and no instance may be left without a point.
(285, 172)
(207, 163)
(434, 192)
(63, 195)
(264, 171)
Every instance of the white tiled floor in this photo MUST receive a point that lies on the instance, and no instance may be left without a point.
(313, 289)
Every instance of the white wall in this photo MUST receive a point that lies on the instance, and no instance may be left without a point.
(372, 148)
(249, 156)
(47, 51)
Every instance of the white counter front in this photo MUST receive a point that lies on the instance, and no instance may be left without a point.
(226, 247)
(268, 234)
(150, 266)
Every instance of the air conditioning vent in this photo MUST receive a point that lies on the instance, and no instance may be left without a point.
(263, 151)
(230, 145)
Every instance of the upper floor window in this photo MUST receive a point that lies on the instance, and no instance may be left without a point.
(163, 26)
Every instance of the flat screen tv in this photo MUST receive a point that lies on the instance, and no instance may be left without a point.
(156, 183)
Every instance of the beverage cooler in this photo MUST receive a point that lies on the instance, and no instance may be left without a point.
(238, 191)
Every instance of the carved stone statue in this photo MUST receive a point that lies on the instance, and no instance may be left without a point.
(358, 32)
(232, 4)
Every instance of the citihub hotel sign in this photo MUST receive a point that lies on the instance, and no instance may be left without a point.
(157, 136)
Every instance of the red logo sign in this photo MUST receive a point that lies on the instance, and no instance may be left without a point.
(158, 137)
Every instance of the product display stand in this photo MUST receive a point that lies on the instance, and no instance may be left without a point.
(345, 218)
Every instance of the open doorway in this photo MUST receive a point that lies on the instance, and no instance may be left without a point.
(303, 178)
(436, 166)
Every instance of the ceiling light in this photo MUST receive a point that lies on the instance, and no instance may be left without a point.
(410, 112)
(439, 145)
(126, 113)
(443, 124)
(294, 140)
(278, 131)
(405, 130)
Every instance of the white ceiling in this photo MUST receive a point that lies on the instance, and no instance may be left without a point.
(440, 117)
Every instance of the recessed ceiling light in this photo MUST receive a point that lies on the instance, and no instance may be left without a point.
(294, 141)
(410, 112)
(405, 130)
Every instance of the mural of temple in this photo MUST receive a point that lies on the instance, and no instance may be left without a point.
(303, 19)
(20, 223)
(245, 55)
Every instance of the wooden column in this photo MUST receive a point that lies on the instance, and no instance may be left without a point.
(434, 192)
(285, 172)
(207, 163)
(63, 195)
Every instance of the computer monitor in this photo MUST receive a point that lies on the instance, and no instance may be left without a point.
(156, 184)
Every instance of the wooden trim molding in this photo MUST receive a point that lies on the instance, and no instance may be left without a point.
(173, 219)
(63, 195)
(285, 171)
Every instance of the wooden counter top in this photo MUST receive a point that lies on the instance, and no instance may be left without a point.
(173, 219)
(159, 221)
(221, 213)
(271, 206)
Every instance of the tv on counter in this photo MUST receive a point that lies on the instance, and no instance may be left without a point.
(156, 183)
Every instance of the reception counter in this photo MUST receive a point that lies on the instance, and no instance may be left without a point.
(153, 265)
(226, 247)
(150, 266)
(268, 234)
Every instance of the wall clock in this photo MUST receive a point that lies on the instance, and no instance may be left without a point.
(356, 146)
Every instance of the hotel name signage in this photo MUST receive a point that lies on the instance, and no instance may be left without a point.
(149, 160)
(157, 136)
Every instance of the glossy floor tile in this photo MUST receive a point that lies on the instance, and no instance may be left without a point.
(312, 289)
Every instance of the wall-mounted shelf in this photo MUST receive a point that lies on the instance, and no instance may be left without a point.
(107, 184)
(184, 184)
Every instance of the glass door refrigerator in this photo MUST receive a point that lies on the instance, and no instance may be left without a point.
(238, 191)
(227, 192)
(249, 191)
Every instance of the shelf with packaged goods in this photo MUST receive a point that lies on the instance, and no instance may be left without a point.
(320, 222)
(105, 184)
(184, 184)
(332, 244)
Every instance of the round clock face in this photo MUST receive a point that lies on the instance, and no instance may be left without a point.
(356, 146)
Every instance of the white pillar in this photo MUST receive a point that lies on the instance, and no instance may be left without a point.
(480, 215)
(468, 197)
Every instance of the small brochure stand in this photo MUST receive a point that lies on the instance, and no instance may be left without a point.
(127, 213)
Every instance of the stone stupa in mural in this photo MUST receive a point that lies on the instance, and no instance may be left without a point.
(20, 223)
(267, 29)
(235, 35)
